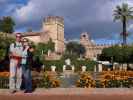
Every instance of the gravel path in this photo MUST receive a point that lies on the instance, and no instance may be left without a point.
(70, 94)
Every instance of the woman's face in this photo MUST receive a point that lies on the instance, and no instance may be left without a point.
(25, 43)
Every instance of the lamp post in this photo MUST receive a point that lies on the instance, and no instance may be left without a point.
(42, 59)
(112, 61)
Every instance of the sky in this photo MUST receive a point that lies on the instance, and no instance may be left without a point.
(92, 16)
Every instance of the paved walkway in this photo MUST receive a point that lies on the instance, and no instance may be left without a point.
(70, 94)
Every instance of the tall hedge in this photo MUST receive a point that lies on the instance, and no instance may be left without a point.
(5, 41)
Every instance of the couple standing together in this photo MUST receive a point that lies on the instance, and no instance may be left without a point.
(20, 63)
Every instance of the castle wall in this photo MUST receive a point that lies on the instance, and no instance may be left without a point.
(92, 50)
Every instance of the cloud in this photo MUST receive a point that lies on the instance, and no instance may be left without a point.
(130, 27)
(94, 16)
(7, 7)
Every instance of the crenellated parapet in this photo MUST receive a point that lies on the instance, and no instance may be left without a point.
(54, 20)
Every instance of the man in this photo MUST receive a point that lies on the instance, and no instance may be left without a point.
(15, 61)
(26, 64)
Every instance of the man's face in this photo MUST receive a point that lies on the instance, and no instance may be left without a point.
(18, 38)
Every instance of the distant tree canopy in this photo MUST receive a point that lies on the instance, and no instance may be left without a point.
(4, 45)
(74, 49)
(43, 48)
(7, 24)
(121, 54)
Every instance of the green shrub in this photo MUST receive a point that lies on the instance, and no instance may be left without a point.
(42, 48)
(5, 42)
(98, 84)
(58, 63)
(118, 83)
(46, 81)
(79, 63)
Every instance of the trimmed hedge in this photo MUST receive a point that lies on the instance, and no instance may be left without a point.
(77, 63)
(58, 63)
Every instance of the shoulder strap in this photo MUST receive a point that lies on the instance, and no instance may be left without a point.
(14, 44)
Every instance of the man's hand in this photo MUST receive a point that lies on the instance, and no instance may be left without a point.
(10, 55)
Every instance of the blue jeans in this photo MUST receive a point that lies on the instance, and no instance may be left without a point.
(27, 77)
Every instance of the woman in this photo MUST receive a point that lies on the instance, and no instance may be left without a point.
(26, 64)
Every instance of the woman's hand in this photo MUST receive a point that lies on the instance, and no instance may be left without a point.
(31, 49)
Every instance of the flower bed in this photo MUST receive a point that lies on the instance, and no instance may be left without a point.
(85, 81)
(4, 80)
(46, 81)
(4, 74)
(107, 80)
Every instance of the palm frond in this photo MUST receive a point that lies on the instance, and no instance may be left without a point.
(129, 17)
(123, 11)
(130, 8)
(118, 8)
(125, 7)
(117, 17)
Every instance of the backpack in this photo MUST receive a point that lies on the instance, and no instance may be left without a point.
(14, 45)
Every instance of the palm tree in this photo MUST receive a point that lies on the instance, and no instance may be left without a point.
(123, 13)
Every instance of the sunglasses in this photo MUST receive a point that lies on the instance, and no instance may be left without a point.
(18, 36)
(24, 41)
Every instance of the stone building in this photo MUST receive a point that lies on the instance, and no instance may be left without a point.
(52, 28)
(92, 49)
(54, 25)
(37, 37)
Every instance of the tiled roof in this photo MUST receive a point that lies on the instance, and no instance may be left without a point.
(31, 34)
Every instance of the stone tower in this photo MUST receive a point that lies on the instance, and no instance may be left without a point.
(54, 25)
(85, 40)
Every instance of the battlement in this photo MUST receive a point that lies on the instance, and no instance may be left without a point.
(105, 45)
(54, 20)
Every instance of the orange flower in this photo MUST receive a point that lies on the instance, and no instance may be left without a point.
(4, 74)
